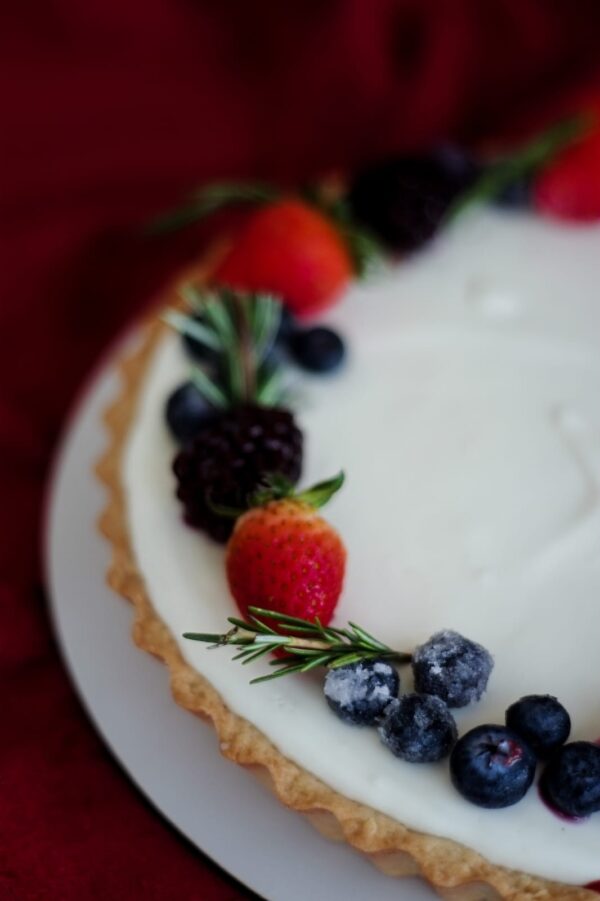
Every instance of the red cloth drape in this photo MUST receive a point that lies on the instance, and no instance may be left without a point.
(110, 111)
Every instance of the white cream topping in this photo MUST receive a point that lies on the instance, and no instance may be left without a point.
(468, 423)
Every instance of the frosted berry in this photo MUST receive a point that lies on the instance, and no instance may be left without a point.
(571, 781)
(318, 349)
(418, 728)
(542, 721)
(452, 667)
(359, 692)
(187, 412)
(491, 766)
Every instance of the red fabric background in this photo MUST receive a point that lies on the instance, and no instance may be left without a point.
(110, 111)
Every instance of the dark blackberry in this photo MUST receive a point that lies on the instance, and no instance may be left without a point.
(404, 200)
(227, 461)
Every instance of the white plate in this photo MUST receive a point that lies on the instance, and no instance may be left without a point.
(172, 756)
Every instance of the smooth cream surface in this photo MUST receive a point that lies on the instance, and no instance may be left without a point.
(468, 424)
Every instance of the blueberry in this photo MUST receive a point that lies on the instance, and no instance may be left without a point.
(404, 200)
(418, 728)
(187, 412)
(197, 349)
(542, 721)
(491, 766)
(288, 326)
(452, 667)
(359, 692)
(317, 349)
(516, 195)
(571, 780)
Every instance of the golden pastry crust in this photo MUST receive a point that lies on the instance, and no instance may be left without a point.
(454, 871)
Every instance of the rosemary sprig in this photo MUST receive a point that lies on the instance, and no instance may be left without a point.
(309, 645)
(240, 328)
(210, 199)
(502, 173)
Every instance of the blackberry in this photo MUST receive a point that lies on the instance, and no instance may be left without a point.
(228, 460)
(418, 728)
(404, 200)
(359, 692)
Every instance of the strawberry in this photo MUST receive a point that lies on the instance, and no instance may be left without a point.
(569, 187)
(290, 249)
(283, 556)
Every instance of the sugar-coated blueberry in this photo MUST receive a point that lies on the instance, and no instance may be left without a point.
(542, 721)
(359, 692)
(317, 349)
(187, 412)
(491, 766)
(452, 667)
(571, 779)
(418, 728)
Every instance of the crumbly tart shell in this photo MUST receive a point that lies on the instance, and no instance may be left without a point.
(455, 872)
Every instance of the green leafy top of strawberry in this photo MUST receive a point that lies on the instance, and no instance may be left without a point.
(277, 487)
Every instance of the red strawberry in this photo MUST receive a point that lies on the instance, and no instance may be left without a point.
(293, 250)
(569, 187)
(284, 556)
